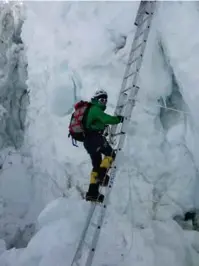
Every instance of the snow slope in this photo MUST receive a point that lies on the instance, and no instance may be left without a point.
(72, 49)
(60, 225)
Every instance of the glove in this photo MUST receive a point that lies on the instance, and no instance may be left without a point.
(106, 131)
(121, 118)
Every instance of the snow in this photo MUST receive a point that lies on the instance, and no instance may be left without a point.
(119, 244)
(73, 49)
(65, 93)
(59, 209)
(15, 195)
(2, 246)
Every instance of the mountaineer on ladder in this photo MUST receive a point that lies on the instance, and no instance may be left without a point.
(87, 245)
(91, 119)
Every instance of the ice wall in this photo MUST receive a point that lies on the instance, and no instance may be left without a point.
(87, 45)
(13, 75)
(15, 182)
(162, 135)
(62, 61)
(69, 60)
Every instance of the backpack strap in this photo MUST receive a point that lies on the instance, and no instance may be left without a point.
(85, 117)
(74, 142)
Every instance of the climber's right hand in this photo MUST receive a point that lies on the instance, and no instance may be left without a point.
(121, 118)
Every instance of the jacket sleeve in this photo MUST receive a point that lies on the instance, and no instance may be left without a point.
(105, 118)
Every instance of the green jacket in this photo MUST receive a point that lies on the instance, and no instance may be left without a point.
(96, 119)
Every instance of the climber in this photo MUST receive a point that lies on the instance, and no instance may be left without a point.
(96, 144)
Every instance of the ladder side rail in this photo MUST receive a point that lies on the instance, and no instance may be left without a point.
(127, 114)
(82, 238)
(100, 219)
(135, 88)
(131, 100)
(105, 203)
(135, 52)
(139, 28)
(118, 111)
(134, 43)
(130, 57)
(134, 91)
(141, 8)
(122, 137)
(124, 81)
(145, 37)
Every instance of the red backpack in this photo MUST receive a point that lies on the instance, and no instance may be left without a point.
(76, 126)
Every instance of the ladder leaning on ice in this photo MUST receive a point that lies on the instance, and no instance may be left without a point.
(126, 101)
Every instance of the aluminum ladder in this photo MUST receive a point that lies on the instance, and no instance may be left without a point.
(126, 101)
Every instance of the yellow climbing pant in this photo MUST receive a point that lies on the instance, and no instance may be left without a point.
(106, 162)
(93, 179)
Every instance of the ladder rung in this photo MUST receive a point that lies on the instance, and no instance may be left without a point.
(131, 74)
(134, 60)
(137, 87)
(117, 134)
(141, 11)
(94, 224)
(141, 14)
(141, 33)
(148, 14)
(129, 101)
(124, 93)
(127, 89)
(87, 245)
(134, 49)
(144, 20)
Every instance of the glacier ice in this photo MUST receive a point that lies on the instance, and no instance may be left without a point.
(13, 75)
(71, 50)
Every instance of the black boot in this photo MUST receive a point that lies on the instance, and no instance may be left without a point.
(104, 181)
(93, 193)
(189, 216)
